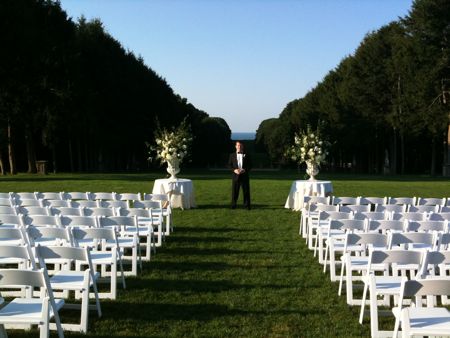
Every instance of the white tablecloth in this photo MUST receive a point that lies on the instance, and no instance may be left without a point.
(301, 188)
(181, 192)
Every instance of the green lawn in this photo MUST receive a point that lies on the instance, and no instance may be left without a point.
(228, 273)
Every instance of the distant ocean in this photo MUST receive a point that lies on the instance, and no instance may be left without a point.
(243, 136)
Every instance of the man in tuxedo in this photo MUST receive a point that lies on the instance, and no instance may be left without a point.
(240, 164)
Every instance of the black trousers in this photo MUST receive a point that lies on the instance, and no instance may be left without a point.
(239, 181)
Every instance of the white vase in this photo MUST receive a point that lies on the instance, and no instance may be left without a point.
(312, 169)
(173, 168)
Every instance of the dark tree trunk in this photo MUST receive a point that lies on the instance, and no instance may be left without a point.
(31, 154)
(11, 156)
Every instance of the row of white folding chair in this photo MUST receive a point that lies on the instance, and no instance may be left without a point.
(429, 234)
(75, 195)
(104, 242)
(82, 200)
(390, 211)
(105, 253)
(147, 219)
(127, 226)
(70, 278)
(310, 221)
(344, 200)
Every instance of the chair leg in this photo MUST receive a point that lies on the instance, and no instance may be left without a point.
(341, 279)
(363, 303)
(84, 311)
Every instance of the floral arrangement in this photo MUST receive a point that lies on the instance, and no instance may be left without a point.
(308, 147)
(171, 145)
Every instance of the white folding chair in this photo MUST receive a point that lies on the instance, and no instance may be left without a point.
(9, 202)
(112, 204)
(8, 210)
(410, 216)
(431, 201)
(11, 221)
(83, 204)
(427, 226)
(33, 211)
(105, 212)
(79, 221)
(317, 229)
(65, 211)
(388, 285)
(371, 215)
(13, 236)
(416, 320)
(27, 202)
(130, 198)
(443, 242)
(25, 195)
(75, 195)
(311, 212)
(335, 241)
(157, 209)
(28, 311)
(436, 264)
(385, 226)
(6, 195)
(49, 195)
(442, 216)
(373, 201)
(128, 239)
(423, 208)
(355, 208)
(390, 208)
(102, 196)
(102, 257)
(402, 200)
(166, 208)
(147, 222)
(355, 259)
(344, 200)
(72, 278)
(412, 241)
(56, 203)
(49, 236)
(42, 221)
(17, 257)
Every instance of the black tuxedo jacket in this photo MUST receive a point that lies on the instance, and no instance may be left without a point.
(246, 162)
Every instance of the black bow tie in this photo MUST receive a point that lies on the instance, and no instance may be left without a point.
(240, 152)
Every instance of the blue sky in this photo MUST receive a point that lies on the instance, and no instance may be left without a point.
(242, 60)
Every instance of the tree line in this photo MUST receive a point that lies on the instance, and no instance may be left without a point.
(385, 108)
(72, 95)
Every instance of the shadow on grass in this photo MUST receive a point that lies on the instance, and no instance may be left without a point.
(208, 239)
(197, 239)
(186, 266)
(195, 251)
(212, 229)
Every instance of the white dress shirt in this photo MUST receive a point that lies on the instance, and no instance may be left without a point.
(240, 160)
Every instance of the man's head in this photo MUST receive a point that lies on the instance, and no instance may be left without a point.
(239, 146)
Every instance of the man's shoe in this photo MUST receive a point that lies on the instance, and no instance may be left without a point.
(248, 208)
(233, 207)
